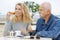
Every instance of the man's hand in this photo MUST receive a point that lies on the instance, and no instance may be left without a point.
(30, 29)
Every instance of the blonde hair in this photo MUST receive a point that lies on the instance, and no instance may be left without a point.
(26, 16)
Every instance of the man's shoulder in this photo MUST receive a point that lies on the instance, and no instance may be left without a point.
(55, 17)
(57, 20)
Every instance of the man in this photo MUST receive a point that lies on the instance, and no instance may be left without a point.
(48, 25)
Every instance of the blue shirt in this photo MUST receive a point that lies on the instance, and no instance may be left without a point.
(51, 29)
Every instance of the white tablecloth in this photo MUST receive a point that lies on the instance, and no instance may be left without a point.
(16, 38)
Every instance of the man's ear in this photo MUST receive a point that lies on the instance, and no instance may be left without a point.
(48, 11)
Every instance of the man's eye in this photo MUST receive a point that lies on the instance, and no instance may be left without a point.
(15, 8)
(41, 10)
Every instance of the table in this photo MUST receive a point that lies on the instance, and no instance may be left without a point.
(17, 38)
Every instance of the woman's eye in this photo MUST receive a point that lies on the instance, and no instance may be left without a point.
(19, 9)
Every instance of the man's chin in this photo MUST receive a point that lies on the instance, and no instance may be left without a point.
(42, 17)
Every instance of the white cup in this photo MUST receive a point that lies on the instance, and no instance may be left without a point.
(33, 27)
(17, 33)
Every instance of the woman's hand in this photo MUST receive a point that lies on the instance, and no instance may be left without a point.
(8, 16)
(23, 31)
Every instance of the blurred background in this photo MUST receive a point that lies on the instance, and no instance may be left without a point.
(33, 5)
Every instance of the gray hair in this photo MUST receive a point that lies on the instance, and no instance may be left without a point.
(46, 5)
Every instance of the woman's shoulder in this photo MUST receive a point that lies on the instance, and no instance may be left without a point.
(9, 21)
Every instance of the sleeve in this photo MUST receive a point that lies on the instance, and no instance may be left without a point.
(52, 33)
(35, 31)
(7, 28)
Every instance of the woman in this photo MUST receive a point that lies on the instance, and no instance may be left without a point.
(21, 21)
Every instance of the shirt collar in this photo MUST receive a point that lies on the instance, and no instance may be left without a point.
(49, 20)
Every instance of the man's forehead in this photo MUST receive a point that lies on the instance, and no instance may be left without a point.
(41, 7)
(45, 5)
